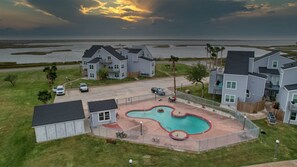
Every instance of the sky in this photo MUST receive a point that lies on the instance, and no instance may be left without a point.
(149, 18)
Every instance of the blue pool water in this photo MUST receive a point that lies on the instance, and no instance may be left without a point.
(190, 124)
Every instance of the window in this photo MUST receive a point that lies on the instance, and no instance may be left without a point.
(108, 58)
(229, 98)
(293, 116)
(153, 64)
(123, 66)
(294, 98)
(103, 116)
(91, 66)
(247, 93)
(231, 85)
(85, 62)
(116, 75)
(116, 66)
(92, 75)
(274, 64)
(123, 74)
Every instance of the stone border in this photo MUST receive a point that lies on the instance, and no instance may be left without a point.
(179, 135)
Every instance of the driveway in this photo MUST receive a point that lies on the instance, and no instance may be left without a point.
(120, 90)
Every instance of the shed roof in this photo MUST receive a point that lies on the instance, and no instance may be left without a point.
(133, 50)
(146, 58)
(95, 60)
(290, 65)
(258, 75)
(102, 105)
(266, 55)
(265, 70)
(291, 87)
(237, 62)
(57, 112)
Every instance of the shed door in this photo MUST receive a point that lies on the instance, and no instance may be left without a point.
(51, 132)
(61, 130)
(70, 129)
(40, 133)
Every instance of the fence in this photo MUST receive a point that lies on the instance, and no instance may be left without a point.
(135, 135)
(250, 107)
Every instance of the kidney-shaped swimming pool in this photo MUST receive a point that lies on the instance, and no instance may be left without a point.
(191, 124)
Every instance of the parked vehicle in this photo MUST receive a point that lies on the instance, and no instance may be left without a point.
(60, 90)
(158, 91)
(83, 87)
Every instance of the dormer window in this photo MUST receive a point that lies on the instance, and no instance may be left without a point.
(274, 64)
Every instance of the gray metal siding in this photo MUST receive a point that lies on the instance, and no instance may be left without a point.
(256, 87)
(239, 92)
(59, 130)
(95, 118)
(260, 63)
(287, 112)
(280, 59)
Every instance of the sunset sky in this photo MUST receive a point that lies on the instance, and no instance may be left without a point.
(148, 18)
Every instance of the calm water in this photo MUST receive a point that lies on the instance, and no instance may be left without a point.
(189, 124)
(175, 47)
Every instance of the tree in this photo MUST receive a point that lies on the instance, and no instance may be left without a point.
(51, 74)
(221, 50)
(103, 73)
(196, 74)
(213, 52)
(44, 96)
(174, 59)
(12, 78)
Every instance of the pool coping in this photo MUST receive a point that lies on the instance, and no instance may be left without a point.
(186, 114)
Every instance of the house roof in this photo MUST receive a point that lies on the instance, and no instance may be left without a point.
(58, 112)
(95, 60)
(112, 51)
(102, 105)
(90, 52)
(266, 55)
(237, 62)
(146, 58)
(133, 50)
(291, 87)
(265, 70)
(258, 75)
(290, 65)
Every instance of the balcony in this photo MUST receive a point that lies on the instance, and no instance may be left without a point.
(271, 86)
(113, 70)
(292, 106)
(218, 86)
(104, 61)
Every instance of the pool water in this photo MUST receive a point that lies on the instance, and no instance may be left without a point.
(190, 124)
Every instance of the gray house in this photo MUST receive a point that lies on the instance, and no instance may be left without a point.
(59, 120)
(287, 96)
(136, 61)
(102, 112)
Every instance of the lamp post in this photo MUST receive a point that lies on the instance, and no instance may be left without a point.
(141, 128)
(276, 148)
(130, 162)
(244, 122)
(155, 96)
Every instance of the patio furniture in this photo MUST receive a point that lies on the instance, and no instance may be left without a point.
(156, 140)
(172, 99)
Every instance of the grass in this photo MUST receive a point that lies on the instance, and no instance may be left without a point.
(181, 69)
(40, 53)
(197, 91)
(18, 147)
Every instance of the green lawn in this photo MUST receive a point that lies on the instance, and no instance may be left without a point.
(18, 147)
(181, 69)
(197, 91)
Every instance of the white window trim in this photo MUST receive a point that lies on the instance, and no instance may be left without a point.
(231, 85)
(293, 96)
(229, 98)
(92, 75)
(274, 61)
(104, 116)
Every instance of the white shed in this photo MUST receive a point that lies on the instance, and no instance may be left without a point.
(59, 120)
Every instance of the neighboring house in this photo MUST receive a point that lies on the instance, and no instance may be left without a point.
(102, 112)
(287, 96)
(249, 79)
(59, 120)
(136, 61)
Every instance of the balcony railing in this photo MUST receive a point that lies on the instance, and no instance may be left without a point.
(292, 106)
(104, 61)
(271, 86)
(114, 70)
(219, 86)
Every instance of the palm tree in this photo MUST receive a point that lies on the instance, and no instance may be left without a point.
(221, 50)
(174, 59)
(208, 51)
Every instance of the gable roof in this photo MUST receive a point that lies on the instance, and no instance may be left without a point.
(146, 58)
(95, 60)
(258, 75)
(57, 112)
(90, 52)
(237, 62)
(290, 65)
(112, 51)
(102, 105)
(266, 55)
(291, 87)
(265, 70)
